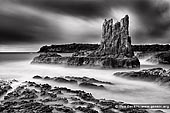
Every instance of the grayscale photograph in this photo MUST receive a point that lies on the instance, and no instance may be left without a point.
(84, 56)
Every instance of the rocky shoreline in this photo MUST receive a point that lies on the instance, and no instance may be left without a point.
(30, 97)
(157, 75)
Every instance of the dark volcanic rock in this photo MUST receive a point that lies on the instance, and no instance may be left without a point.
(159, 75)
(115, 50)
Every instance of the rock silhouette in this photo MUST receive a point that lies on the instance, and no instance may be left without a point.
(115, 39)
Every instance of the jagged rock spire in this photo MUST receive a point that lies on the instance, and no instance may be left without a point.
(115, 38)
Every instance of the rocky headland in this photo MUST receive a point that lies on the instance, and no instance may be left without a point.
(157, 75)
(115, 50)
(76, 47)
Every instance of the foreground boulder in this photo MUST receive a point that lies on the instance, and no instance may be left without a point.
(115, 50)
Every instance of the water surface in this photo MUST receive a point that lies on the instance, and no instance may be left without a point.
(17, 66)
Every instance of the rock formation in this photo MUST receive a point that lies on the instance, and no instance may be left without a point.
(30, 97)
(116, 41)
(157, 75)
(160, 57)
(115, 50)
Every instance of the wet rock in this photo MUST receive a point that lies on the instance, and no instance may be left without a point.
(90, 85)
(55, 99)
(86, 96)
(61, 79)
(158, 75)
(87, 79)
(46, 57)
(160, 57)
(38, 107)
(37, 77)
(104, 102)
(27, 98)
(159, 111)
(79, 103)
(28, 94)
(86, 110)
(14, 80)
(65, 109)
(5, 86)
(47, 78)
(45, 87)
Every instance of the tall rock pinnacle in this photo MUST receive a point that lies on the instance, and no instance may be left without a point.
(115, 50)
(116, 41)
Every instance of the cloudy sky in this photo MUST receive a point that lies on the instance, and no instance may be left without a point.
(26, 25)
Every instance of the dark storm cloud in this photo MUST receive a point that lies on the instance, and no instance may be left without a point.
(17, 27)
(85, 8)
(149, 12)
(20, 28)
(154, 18)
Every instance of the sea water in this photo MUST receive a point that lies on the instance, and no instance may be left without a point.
(17, 66)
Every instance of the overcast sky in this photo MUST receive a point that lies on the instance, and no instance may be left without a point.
(26, 25)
